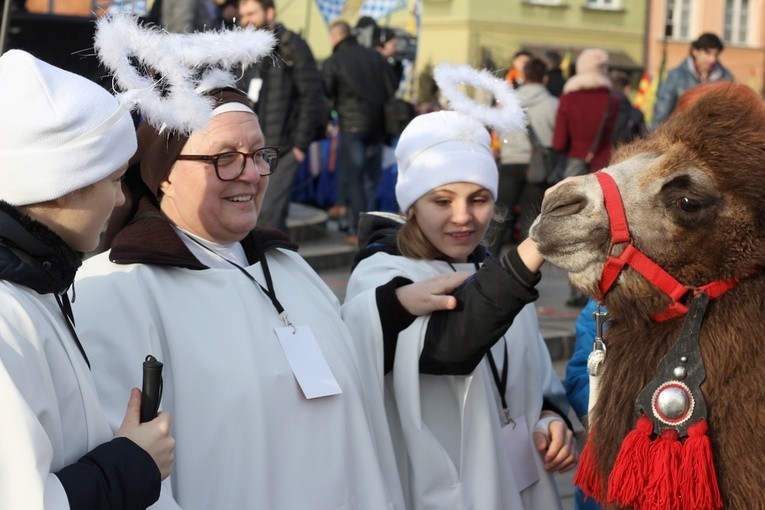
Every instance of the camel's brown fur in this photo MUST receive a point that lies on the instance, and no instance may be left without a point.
(723, 135)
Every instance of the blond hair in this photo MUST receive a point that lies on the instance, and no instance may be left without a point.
(412, 243)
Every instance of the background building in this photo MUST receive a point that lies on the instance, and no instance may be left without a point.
(637, 33)
(673, 24)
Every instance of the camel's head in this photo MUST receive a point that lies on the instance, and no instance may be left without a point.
(694, 199)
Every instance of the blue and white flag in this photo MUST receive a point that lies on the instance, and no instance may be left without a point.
(330, 9)
(377, 9)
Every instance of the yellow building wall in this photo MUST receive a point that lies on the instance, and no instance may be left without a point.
(466, 31)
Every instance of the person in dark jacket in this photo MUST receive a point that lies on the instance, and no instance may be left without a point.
(64, 147)
(630, 123)
(289, 100)
(555, 79)
(358, 82)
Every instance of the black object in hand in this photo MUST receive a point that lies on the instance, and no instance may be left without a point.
(151, 393)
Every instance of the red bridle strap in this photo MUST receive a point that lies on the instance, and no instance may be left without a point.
(638, 261)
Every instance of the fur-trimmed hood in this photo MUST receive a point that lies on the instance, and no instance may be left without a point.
(34, 256)
(591, 71)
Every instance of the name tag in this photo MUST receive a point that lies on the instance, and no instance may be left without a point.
(521, 450)
(307, 362)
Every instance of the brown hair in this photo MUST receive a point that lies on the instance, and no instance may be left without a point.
(412, 243)
(534, 71)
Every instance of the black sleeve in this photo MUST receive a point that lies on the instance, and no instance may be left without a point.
(312, 102)
(549, 405)
(488, 301)
(393, 317)
(118, 475)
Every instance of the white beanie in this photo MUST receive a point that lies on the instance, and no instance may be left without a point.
(440, 148)
(59, 132)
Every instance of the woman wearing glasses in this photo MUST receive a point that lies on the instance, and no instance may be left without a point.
(272, 409)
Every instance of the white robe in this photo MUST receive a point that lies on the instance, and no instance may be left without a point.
(447, 429)
(49, 412)
(245, 435)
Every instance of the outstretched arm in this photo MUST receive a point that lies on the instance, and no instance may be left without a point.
(457, 340)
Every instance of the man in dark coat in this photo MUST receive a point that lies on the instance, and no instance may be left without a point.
(359, 82)
(290, 103)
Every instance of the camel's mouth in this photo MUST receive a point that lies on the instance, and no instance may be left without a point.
(552, 250)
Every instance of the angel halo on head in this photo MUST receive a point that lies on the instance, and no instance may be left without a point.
(507, 116)
(164, 75)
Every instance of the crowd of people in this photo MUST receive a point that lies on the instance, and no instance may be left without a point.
(430, 387)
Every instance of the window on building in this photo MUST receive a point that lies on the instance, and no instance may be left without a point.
(678, 24)
(604, 4)
(545, 2)
(736, 29)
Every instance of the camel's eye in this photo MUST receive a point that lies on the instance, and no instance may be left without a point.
(688, 205)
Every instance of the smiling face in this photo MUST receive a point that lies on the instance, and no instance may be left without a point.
(454, 218)
(193, 197)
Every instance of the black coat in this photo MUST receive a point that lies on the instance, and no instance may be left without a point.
(291, 104)
(358, 81)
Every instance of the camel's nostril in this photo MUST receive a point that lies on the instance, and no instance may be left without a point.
(564, 206)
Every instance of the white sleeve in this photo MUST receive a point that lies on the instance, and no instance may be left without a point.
(25, 450)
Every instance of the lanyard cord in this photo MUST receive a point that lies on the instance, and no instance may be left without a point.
(268, 290)
(66, 309)
(62, 300)
(499, 380)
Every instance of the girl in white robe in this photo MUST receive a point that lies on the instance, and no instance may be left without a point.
(64, 146)
(465, 437)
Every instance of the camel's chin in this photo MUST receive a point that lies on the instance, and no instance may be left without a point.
(583, 269)
(572, 255)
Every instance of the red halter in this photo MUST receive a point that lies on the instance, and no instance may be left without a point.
(636, 259)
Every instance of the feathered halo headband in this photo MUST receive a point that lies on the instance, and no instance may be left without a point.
(164, 75)
(506, 116)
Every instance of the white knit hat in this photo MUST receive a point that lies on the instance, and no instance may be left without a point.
(59, 132)
(440, 148)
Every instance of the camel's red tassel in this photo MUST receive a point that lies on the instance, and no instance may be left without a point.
(698, 483)
(662, 491)
(587, 476)
(627, 482)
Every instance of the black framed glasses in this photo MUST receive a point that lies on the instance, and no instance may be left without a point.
(230, 165)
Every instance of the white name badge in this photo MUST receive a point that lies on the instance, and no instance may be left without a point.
(307, 362)
(521, 450)
(253, 91)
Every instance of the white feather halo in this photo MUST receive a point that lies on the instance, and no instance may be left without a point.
(187, 64)
(507, 116)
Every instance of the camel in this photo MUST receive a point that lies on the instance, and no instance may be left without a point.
(693, 198)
